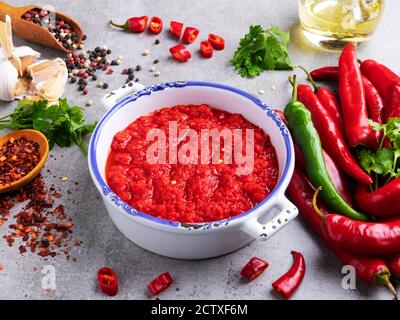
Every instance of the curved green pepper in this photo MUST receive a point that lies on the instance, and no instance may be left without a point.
(307, 138)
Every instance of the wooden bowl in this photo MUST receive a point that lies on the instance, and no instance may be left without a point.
(35, 136)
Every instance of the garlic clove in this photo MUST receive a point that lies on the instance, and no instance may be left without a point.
(27, 57)
(8, 80)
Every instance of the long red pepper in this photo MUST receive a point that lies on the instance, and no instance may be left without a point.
(392, 102)
(331, 137)
(374, 101)
(370, 269)
(382, 77)
(288, 283)
(352, 97)
(361, 237)
(383, 202)
(338, 177)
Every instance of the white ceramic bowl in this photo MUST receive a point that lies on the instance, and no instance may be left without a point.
(192, 241)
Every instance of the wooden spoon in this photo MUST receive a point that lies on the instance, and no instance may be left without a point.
(33, 31)
(41, 140)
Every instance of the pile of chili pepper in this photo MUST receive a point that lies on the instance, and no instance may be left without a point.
(18, 157)
(361, 227)
(187, 35)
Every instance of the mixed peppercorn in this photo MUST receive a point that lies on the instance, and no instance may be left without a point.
(18, 157)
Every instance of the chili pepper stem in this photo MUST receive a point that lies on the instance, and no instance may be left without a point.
(123, 26)
(292, 80)
(309, 78)
(319, 213)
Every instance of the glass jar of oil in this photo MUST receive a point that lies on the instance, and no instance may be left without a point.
(334, 23)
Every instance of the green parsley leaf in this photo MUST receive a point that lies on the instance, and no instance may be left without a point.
(61, 123)
(261, 50)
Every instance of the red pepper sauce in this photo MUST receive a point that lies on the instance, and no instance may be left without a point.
(189, 193)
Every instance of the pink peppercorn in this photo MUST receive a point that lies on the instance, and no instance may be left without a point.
(85, 91)
(105, 67)
(110, 71)
(85, 75)
(61, 23)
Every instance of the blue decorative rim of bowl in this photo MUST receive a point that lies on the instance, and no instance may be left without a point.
(181, 84)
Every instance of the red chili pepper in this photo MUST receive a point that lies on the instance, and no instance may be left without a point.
(135, 24)
(383, 202)
(180, 53)
(217, 42)
(254, 268)
(352, 97)
(190, 35)
(332, 139)
(287, 284)
(108, 281)
(370, 269)
(206, 49)
(392, 102)
(393, 262)
(381, 76)
(155, 25)
(176, 28)
(162, 282)
(373, 98)
(361, 237)
(338, 177)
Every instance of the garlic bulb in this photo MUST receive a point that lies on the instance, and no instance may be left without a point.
(21, 76)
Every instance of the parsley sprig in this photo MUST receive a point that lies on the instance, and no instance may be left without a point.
(261, 50)
(61, 123)
(383, 163)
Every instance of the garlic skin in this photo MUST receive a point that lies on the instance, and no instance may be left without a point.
(21, 76)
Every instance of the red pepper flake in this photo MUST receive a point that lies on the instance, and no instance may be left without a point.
(18, 157)
(108, 281)
(159, 284)
(254, 268)
(1, 267)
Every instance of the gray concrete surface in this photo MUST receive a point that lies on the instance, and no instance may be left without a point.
(102, 243)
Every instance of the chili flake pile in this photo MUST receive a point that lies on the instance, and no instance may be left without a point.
(38, 226)
(17, 158)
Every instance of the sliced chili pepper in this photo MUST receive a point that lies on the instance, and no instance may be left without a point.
(254, 268)
(180, 53)
(134, 24)
(190, 35)
(352, 97)
(108, 281)
(206, 49)
(162, 282)
(361, 237)
(393, 262)
(288, 283)
(176, 28)
(217, 42)
(155, 25)
(392, 103)
(382, 77)
(383, 202)
(330, 135)
(370, 269)
(306, 136)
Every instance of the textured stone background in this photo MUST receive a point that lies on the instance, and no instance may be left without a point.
(102, 243)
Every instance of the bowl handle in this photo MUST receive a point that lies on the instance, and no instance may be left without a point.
(288, 212)
(110, 99)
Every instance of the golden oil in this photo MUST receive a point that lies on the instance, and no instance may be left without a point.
(334, 23)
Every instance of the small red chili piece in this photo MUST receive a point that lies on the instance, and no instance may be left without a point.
(162, 282)
(206, 49)
(108, 281)
(176, 28)
(190, 35)
(254, 268)
(180, 53)
(134, 24)
(155, 25)
(288, 283)
(217, 42)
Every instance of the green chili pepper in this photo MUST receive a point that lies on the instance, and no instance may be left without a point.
(307, 138)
